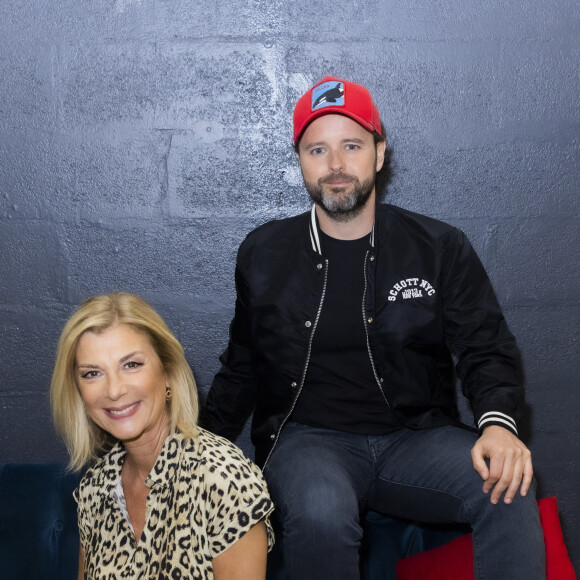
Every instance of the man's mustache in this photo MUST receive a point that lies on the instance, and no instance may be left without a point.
(337, 177)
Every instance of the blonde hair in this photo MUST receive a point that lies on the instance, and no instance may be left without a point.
(84, 440)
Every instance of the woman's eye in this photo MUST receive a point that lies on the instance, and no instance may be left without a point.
(133, 364)
(89, 375)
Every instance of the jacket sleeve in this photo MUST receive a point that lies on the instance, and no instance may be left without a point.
(232, 396)
(488, 361)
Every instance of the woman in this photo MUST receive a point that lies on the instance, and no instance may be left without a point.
(163, 498)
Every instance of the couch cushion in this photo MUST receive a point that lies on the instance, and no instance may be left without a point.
(454, 561)
(38, 522)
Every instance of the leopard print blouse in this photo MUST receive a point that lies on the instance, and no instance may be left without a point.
(204, 495)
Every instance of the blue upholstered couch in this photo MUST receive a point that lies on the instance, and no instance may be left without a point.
(39, 538)
(38, 522)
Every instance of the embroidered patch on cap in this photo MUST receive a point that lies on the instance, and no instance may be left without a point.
(327, 94)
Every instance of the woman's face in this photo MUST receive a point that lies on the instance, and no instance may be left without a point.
(122, 383)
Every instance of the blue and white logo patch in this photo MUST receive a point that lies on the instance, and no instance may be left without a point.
(327, 94)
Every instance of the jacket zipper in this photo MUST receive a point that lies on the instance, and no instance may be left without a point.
(364, 315)
(307, 362)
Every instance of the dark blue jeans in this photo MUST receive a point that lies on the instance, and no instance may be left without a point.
(323, 480)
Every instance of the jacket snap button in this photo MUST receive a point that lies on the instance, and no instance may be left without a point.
(370, 319)
(308, 324)
(294, 384)
(319, 266)
(272, 437)
(372, 258)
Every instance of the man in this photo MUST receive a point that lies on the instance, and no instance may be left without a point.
(340, 344)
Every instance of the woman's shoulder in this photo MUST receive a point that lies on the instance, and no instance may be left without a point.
(104, 473)
(230, 491)
(208, 444)
(216, 455)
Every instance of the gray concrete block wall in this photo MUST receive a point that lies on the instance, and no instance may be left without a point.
(140, 140)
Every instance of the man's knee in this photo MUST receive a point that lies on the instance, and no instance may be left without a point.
(317, 504)
(522, 511)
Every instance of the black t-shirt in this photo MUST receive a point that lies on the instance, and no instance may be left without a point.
(340, 391)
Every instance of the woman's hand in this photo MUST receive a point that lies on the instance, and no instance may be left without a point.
(246, 558)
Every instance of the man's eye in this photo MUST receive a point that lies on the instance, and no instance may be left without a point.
(317, 151)
(351, 146)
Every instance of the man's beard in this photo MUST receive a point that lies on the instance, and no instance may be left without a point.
(341, 203)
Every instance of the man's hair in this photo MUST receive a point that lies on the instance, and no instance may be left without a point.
(84, 439)
(385, 174)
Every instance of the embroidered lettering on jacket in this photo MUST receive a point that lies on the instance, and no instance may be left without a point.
(411, 288)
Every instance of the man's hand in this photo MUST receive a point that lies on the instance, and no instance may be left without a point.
(510, 463)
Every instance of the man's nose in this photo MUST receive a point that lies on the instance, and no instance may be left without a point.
(335, 161)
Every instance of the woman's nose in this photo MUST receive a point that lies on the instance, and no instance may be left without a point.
(115, 388)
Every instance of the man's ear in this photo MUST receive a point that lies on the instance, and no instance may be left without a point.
(297, 152)
(381, 147)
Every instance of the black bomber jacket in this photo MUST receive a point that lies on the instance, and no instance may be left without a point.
(427, 301)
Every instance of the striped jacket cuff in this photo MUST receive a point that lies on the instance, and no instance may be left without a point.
(497, 418)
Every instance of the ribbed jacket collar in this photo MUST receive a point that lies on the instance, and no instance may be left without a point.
(315, 237)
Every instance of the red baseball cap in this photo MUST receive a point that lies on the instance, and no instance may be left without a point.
(332, 95)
